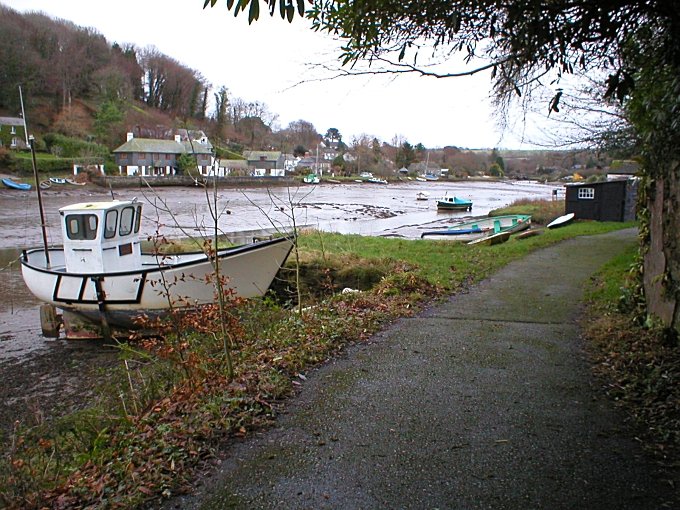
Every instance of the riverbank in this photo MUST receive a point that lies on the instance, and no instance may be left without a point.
(281, 347)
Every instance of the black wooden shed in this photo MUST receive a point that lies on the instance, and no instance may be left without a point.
(602, 201)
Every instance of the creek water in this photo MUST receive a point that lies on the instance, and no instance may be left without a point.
(365, 209)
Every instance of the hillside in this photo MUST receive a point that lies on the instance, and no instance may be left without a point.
(78, 85)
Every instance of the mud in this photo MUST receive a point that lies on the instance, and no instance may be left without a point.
(41, 378)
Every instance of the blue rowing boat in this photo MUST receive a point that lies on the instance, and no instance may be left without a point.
(9, 183)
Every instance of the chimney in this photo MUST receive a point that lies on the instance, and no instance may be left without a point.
(178, 139)
(130, 136)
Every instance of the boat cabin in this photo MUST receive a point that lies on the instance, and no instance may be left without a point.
(102, 237)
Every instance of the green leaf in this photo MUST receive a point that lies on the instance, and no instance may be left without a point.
(254, 13)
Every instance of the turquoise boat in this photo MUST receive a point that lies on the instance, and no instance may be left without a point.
(482, 227)
(454, 204)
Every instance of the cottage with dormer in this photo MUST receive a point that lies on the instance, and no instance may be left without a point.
(151, 157)
(264, 163)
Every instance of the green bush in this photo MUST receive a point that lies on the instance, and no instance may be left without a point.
(24, 166)
(67, 147)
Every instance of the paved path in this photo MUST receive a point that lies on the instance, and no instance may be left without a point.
(482, 402)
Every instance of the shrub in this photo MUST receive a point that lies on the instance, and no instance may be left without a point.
(68, 147)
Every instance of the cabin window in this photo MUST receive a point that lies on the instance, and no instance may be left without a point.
(110, 224)
(127, 218)
(80, 227)
(586, 193)
(138, 218)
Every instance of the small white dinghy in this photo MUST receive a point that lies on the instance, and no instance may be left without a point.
(101, 280)
(561, 221)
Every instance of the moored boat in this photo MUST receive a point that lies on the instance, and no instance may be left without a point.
(454, 204)
(376, 180)
(101, 280)
(481, 227)
(57, 180)
(422, 195)
(12, 184)
(45, 184)
(311, 179)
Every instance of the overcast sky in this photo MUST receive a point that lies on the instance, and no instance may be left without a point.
(264, 62)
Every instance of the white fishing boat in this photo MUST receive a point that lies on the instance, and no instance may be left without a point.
(101, 280)
(376, 180)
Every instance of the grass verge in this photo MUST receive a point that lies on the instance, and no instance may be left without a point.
(637, 364)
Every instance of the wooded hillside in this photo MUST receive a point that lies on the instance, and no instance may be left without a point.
(77, 84)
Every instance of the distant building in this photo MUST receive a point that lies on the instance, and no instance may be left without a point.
(264, 163)
(12, 133)
(623, 170)
(153, 157)
(227, 167)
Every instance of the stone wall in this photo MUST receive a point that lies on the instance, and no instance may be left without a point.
(186, 180)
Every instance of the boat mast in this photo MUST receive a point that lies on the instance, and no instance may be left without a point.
(23, 115)
(30, 140)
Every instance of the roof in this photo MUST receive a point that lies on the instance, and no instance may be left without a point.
(232, 163)
(164, 146)
(259, 155)
(196, 147)
(583, 184)
(12, 121)
(97, 206)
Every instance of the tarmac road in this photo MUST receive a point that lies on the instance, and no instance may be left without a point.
(484, 402)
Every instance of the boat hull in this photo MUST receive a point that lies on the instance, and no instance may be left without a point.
(561, 221)
(161, 283)
(492, 239)
(9, 183)
(454, 204)
(481, 227)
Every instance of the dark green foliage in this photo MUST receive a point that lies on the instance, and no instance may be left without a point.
(68, 147)
(405, 155)
(108, 123)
